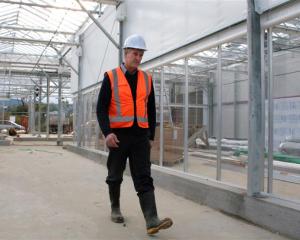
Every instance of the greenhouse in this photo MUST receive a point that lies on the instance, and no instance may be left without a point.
(224, 76)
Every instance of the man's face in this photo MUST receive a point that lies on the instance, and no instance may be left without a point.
(133, 58)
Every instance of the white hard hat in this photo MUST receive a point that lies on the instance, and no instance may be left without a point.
(135, 41)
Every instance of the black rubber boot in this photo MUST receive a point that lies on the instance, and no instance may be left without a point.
(114, 195)
(153, 223)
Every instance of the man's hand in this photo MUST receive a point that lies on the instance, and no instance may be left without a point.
(111, 140)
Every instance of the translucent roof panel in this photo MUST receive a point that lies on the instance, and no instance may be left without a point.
(33, 34)
(44, 22)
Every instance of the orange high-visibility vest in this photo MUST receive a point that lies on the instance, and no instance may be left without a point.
(121, 109)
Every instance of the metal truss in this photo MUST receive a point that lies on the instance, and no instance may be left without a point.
(34, 36)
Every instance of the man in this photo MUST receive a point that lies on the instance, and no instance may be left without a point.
(127, 118)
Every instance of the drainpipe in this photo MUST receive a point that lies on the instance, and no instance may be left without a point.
(121, 17)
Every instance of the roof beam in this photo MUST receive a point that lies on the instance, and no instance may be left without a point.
(10, 54)
(62, 56)
(28, 85)
(99, 25)
(23, 67)
(109, 2)
(25, 74)
(28, 63)
(13, 40)
(18, 28)
(47, 6)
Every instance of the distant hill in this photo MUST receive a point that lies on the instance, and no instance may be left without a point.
(10, 102)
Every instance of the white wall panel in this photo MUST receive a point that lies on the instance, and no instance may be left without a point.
(228, 121)
(242, 89)
(167, 25)
(99, 54)
(286, 74)
(263, 5)
(74, 63)
(242, 121)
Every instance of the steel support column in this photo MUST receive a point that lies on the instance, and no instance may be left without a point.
(186, 117)
(120, 42)
(3, 112)
(161, 117)
(205, 110)
(235, 107)
(33, 131)
(219, 114)
(270, 112)
(263, 97)
(210, 106)
(59, 124)
(79, 109)
(255, 157)
(40, 107)
(48, 107)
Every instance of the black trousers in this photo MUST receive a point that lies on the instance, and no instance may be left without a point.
(137, 149)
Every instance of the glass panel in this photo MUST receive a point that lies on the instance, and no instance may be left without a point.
(156, 76)
(235, 88)
(286, 113)
(91, 123)
(99, 137)
(75, 105)
(84, 122)
(92, 136)
(202, 115)
(174, 80)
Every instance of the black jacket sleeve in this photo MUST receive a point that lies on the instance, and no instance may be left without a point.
(151, 113)
(103, 106)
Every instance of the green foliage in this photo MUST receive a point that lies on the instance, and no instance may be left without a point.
(15, 110)
(52, 107)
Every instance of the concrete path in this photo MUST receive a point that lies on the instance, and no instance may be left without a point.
(47, 193)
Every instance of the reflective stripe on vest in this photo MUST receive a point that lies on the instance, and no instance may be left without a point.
(121, 109)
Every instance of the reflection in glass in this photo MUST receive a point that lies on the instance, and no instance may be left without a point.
(286, 109)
